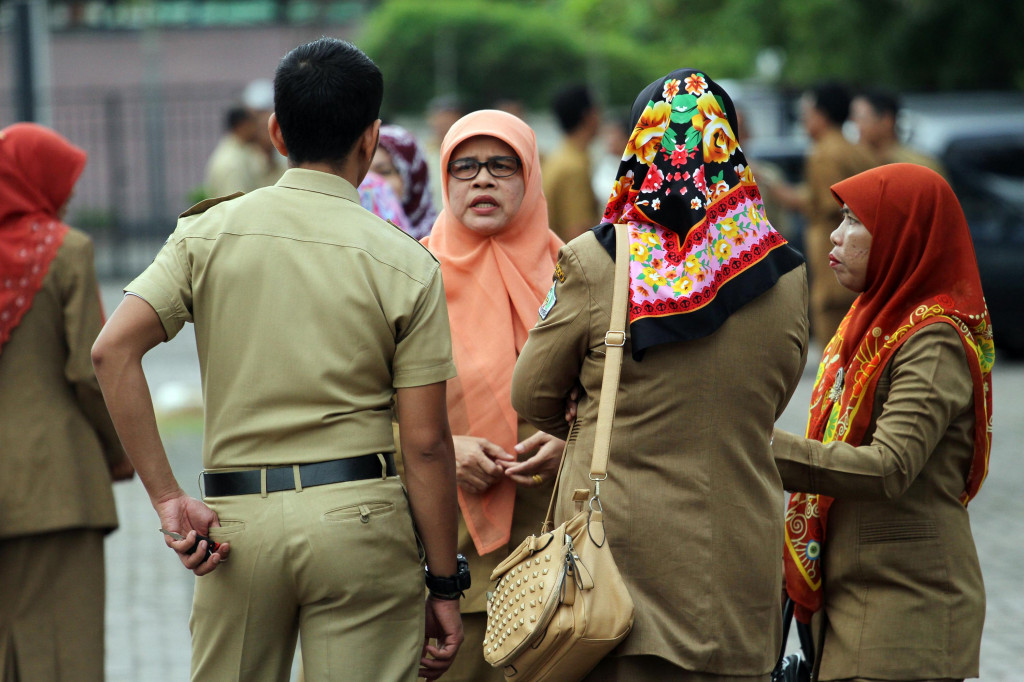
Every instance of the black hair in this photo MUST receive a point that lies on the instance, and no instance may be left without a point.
(833, 100)
(326, 93)
(883, 102)
(571, 105)
(236, 116)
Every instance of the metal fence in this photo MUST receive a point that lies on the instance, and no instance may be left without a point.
(148, 148)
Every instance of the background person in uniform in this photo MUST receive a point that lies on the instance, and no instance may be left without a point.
(875, 113)
(267, 164)
(716, 343)
(400, 160)
(311, 315)
(572, 207)
(230, 168)
(497, 255)
(899, 433)
(58, 448)
(824, 108)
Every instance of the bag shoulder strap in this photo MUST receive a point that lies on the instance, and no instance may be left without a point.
(614, 340)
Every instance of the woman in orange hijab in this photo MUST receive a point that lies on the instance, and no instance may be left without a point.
(497, 256)
(899, 434)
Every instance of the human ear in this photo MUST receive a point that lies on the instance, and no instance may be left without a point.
(276, 137)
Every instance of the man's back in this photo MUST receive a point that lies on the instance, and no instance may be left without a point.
(300, 299)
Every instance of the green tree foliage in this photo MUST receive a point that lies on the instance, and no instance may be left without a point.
(487, 50)
(524, 49)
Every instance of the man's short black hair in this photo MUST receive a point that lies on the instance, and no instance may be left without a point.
(884, 102)
(326, 93)
(235, 117)
(571, 105)
(833, 100)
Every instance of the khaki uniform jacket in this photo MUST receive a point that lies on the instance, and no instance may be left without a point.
(693, 500)
(833, 158)
(56, 439)
(903, 589)
(568, 190)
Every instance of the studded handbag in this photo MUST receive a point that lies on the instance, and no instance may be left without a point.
(559, 604)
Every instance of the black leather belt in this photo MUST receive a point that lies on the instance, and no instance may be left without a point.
(222, 484)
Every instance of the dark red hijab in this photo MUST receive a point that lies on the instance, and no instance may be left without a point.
(38, 170)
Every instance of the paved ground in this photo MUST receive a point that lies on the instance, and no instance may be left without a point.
(149, 594)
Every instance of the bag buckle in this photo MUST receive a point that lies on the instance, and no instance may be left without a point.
(612, 338)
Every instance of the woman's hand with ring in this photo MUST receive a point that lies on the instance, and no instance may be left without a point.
(542, 466)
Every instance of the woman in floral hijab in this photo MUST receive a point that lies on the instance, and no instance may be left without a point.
(717, 338)
(700, 244)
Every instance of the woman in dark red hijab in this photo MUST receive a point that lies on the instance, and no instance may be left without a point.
(58, 448)
(898, 440)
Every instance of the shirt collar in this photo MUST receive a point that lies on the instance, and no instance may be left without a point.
(317, 181)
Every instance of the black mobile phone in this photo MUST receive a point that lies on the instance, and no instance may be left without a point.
(211, 546)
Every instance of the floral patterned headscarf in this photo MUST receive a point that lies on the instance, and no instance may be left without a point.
(700, 244)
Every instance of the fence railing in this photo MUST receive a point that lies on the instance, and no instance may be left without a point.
(148, 148)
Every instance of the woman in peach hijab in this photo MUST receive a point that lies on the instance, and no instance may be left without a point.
(497, 257)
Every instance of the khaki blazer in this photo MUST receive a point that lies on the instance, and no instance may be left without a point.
(903, 589)
(56, 439)
(693, 500)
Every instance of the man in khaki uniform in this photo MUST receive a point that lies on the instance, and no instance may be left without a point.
(310, 315)
(230, 168)
(572, 206)
(832, 158)
(875, 113)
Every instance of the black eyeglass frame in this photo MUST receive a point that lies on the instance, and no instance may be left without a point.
(490, 166)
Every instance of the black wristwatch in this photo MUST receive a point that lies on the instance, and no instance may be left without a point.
(450, 587)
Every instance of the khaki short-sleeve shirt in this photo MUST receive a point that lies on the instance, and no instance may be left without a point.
(309, 312)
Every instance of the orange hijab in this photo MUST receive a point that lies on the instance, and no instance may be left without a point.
(494, 286)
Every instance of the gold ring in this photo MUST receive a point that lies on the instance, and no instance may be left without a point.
(538, 479)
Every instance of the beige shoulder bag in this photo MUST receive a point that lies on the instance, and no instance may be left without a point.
(559, 605)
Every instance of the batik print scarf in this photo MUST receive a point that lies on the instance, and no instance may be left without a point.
(700, 244)
(921, 271)
(38, 170)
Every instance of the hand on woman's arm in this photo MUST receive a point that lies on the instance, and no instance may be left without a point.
(931, 385)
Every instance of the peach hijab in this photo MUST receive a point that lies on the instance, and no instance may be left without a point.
(494, 286)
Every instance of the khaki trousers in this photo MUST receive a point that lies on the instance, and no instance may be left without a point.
(52, 594)
(337, 564)
(638, 668)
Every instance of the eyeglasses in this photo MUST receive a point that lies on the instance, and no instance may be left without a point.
(497, 166)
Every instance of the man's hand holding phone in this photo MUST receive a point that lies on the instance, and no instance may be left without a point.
(185, 522)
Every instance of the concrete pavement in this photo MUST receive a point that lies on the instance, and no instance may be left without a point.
(149, 593)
